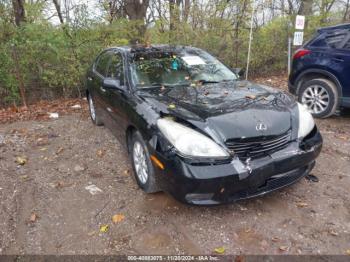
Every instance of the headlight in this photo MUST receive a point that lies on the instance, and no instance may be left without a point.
(189, 142)
(306, 121)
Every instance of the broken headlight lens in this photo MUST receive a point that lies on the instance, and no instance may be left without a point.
(306, 121)
(188, 141)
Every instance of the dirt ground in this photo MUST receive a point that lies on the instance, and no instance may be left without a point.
(46, 208)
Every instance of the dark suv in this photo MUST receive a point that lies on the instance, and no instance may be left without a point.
(320, 75)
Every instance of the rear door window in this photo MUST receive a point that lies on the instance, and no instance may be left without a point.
(102, 63)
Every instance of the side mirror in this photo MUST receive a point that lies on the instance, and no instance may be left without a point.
(111, 83)
(239, 71)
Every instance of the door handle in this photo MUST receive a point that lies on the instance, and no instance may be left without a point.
(102, 89)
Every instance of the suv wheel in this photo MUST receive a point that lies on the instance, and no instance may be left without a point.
(320, 96)
(142, 166)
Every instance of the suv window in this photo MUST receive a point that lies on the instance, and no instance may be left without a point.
(335, 40)
(102, 63)
(332, 40)
(115, 68)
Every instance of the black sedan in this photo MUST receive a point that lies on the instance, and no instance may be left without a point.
(194, 129)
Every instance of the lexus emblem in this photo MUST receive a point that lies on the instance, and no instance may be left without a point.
(261, 127)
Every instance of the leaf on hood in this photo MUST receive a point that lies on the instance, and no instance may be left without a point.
(251, 96)
(171, 106)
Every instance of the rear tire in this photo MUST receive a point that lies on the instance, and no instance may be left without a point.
(95, 118)
(320, 96)
(142, 165)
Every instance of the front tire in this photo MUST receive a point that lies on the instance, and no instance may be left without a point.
(320, 96)
(142, 165)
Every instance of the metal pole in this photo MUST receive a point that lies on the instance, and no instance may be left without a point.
(250, 42)
(289, 53)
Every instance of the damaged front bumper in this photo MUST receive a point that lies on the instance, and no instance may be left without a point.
(212, 184)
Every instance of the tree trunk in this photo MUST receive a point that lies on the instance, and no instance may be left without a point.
(305, 7)
(186, 10)
(136, 10)
(19, 12)
(58, 10)
(19, 76)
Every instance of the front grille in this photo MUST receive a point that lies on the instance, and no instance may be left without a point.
(254, 148)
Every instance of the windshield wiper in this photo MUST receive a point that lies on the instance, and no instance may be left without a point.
(203, 81)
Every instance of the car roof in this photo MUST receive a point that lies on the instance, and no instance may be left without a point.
(334, 28)
(155, 48)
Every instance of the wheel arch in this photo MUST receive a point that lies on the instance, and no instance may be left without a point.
(318, 73)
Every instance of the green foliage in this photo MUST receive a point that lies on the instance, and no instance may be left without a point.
(52, 59)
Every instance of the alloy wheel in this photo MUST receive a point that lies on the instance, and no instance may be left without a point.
(92, 109)
(316, 98)
(140, 162)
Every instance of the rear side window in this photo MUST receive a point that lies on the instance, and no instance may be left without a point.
(334, 41)
(102, 63)
(330, 40)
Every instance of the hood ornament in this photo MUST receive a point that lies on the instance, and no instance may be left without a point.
(261, 127)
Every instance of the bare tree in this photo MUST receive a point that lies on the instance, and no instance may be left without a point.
(19, 12)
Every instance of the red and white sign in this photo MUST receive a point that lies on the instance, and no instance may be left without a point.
(300, 22)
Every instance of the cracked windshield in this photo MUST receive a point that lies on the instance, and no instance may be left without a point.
(154, 69)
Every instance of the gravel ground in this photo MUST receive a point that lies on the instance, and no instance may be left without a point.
(46, 208)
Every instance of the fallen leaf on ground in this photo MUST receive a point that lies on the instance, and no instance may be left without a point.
(21, 160)
(220, 250)
(59, 150)
(33, 217)
(93, 189)
(348, 252)
(91, 233)
(302, 204)
(118, 218)
(275, 239)
(333, 233)
(43, 149)
(104, 228)
(283, 248)
(77, 106)
(53, 115)
(126, 172)
(100, 153)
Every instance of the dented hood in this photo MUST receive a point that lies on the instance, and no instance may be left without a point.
(237, 109)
